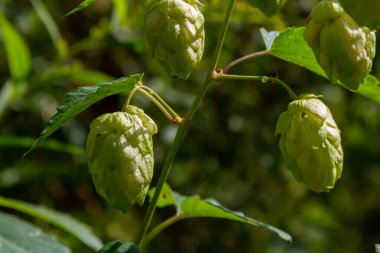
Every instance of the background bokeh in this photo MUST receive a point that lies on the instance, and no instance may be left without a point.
(230, 152)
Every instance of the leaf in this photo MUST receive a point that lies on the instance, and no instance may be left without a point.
(70, 74)
(166, 197)
(10, 93)
(268, 37)
(80, 99)
(81, 6)
(26, 142)
(17, 52)
(370, 88)
(61, 220)
(47, 21)
(290, 46)
(118, 247)
(17, 236)
(194, 207)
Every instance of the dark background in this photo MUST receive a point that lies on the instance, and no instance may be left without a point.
(230, 152)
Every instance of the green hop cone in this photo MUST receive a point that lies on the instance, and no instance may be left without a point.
(175, 32)
(365, 12)
(120, 156)
(310, 143)
(268, 7)
(342, 48)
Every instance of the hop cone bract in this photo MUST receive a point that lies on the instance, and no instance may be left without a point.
(342, 48)
(268, 7)
(175, 32)
(310, 143)
(120, 156)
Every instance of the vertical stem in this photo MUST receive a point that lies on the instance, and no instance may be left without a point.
(48, 21)
(182, 128)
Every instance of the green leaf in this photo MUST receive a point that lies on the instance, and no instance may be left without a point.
(166, 197)
(17, 52)
(291, 46)
(69, 74)
(17, 236)
(80, 99)
(370, 88)
(118, 247)
(26, 142)
(61, 220)
(81, 6)
(195, 207)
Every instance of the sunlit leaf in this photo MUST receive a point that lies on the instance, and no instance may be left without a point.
(61, 220)
(81, 6)
(18, 236)
(118, 247)
(17, 51)
(290, 46)
(80, 99)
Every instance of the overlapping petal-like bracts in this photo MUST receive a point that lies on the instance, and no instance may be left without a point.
(120, 156)
(342, 48)
(310, 143)
(175, 32)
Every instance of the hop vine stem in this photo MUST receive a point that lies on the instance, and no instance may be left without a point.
(182, 128)
(219, 75)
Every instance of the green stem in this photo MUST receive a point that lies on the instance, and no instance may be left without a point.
(263, 79)
(244, 58)
(131, 94)
(156, 230)
(157, 100)
(149, 92)
(48, 21)
(182, 128)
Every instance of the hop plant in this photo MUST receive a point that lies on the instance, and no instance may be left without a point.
(364, 12)
(268, 7)
(120, 156)
(175, 32)
(310, 143)
(342, 48)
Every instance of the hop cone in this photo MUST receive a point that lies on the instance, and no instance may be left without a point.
(342, 48)
(268, 7)
(310, 143)
(365, 12)
(175, 34)
(120, 152)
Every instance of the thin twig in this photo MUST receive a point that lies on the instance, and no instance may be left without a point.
(263, 79)
(244, 58)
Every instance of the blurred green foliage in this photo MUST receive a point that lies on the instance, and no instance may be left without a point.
(230, 152)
